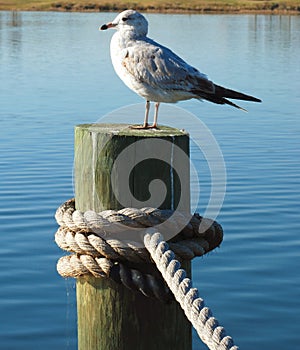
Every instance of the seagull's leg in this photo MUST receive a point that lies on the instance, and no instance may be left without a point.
(145, 125)
(154, 125)
(147, 108)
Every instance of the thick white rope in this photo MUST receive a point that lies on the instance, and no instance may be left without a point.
(207, 327)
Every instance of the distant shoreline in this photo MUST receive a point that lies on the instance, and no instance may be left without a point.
(275, 7)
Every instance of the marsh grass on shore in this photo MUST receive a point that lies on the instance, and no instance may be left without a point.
(190, 6)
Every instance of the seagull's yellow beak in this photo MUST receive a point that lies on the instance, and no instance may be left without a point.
(107, 26)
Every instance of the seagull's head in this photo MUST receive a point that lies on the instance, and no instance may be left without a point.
(129, 21)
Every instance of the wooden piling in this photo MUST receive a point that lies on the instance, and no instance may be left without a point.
(111, 317)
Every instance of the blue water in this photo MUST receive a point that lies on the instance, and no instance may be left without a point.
(55, 72)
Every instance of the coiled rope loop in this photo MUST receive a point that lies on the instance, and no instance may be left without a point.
(96, 240)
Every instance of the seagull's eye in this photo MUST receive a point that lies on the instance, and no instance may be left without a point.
(124, 19)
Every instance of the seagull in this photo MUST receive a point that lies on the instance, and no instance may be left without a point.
(155, 72)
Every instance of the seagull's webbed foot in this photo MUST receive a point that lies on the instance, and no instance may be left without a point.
(144, 126)
(153, 126)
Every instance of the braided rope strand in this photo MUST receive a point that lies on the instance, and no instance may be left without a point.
(91, 233)
(88, 243)
(207, 327)
(133, 279)
(114, 221)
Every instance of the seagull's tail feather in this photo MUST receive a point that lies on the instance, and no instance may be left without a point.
(227, 93)
(220, 96)
(233, 104)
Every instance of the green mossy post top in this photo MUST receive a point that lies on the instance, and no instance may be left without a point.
(127, 130)
(98, 146)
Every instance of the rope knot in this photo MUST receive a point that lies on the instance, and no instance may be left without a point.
(100, 249)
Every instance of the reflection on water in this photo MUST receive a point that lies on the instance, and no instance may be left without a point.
(13, 30)
(16, 19)
(55, 72)
(272, 30)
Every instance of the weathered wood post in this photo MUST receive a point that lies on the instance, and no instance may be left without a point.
(111, 317)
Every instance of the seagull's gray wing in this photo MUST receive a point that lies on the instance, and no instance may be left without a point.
(159, 67)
